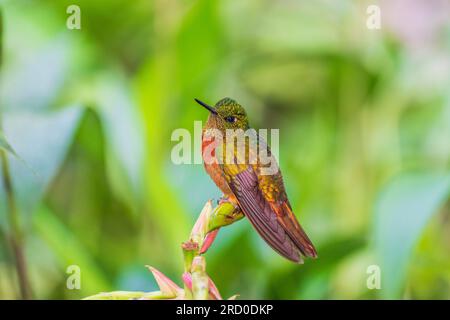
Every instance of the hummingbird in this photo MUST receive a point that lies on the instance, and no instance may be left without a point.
(260, 197)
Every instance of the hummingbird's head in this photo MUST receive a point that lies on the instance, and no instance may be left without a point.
(226, 114)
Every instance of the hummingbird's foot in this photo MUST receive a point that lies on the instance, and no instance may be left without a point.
(225, 199)
(226, 212)
(236, 214)
(222, 200)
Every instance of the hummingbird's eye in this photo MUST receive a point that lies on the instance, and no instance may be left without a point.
(230, 119)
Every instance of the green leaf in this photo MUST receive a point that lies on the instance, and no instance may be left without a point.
(69, 251)
(124, 135)
(402, 211)
(42, 140)
(4, 145)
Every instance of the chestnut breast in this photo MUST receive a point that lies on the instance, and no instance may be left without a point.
(212, 166)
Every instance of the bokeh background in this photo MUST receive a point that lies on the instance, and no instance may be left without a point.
(364, 119)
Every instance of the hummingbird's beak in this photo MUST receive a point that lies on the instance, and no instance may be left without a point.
(211, 109)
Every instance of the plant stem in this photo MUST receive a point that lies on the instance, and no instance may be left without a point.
(16, 236)
(210, 220)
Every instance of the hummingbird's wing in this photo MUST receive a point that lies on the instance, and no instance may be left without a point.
(263, 200)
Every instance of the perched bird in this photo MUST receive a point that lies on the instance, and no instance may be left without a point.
(261, 197)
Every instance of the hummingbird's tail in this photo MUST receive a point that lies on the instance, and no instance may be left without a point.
(272, 218)
(293, 229)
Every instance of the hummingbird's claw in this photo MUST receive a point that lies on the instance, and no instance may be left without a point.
(224, 199)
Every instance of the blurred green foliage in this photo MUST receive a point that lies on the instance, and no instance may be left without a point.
(364, 118)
